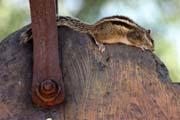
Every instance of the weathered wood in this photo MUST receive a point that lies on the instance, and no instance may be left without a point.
(123, 83)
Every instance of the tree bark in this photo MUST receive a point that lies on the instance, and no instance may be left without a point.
(123, 83)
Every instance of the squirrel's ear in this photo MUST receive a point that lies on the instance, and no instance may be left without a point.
(149, 31)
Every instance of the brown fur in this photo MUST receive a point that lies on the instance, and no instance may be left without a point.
(109, 30)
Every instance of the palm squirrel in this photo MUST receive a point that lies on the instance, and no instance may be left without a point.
(109, 30)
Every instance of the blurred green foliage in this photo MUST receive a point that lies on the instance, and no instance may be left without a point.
(168, 54)
(13, 17)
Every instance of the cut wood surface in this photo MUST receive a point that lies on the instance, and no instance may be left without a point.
(123, 83)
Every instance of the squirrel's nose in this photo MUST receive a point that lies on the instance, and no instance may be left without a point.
(152, 48)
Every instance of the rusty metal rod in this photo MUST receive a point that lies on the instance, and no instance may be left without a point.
(57, 8)
(47, 83)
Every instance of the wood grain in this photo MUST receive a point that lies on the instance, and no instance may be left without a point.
(123, 83)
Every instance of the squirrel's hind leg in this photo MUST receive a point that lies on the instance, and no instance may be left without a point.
(26, 36)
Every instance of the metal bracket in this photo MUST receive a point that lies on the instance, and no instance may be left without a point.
(47, 84)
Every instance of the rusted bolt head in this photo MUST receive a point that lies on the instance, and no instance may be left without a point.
(48, 87)
(48, 90)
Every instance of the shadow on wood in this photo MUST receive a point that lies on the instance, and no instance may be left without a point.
(123, 83)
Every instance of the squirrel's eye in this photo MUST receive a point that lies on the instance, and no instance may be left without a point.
(149, 31)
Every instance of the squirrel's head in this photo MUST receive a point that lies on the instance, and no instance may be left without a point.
(141, 38)
(148, 41)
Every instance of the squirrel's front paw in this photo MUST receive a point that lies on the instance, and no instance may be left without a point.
(101, 48)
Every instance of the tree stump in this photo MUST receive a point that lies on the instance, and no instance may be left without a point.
(123, 83)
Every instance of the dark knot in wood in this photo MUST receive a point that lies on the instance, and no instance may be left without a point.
(48, 90)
